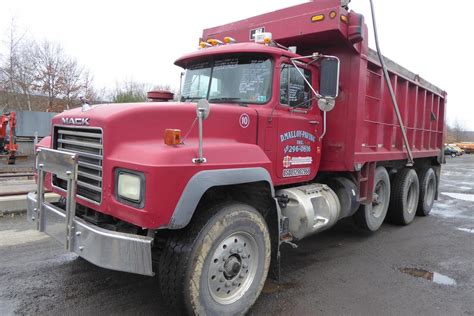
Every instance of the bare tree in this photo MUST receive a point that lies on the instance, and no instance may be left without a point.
(32, 74)
(162, 87)
(51, 68)
(89, 90)
(71, 81)
(130, 91)
(27, 70)
(455, 132)
(9, 65)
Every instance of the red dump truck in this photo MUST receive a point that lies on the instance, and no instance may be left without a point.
(284, 126)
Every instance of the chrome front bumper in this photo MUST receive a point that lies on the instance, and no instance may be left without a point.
(104, 248)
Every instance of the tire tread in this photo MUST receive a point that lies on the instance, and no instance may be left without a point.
(423, 177)
(396, 207)
(174, 260)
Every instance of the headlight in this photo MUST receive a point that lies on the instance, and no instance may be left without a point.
(130, 187)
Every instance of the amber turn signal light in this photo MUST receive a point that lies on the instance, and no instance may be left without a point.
(172, 136)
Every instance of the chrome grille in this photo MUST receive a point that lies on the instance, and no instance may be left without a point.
(87, 143)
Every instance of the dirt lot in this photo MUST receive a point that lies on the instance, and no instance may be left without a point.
(341, 271)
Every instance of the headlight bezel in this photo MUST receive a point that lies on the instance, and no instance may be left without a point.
(122, 199)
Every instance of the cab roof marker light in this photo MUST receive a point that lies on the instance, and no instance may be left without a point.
(263, 38)
(229, 40)
(344, 18)
(214, 42)
(204, 45)
(317, 18)
(332, 14)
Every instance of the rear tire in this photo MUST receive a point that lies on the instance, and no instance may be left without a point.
(427, 191)
(218, 264)
(404, 197)
(370, 217)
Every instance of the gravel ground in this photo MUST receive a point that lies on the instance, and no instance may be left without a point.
(341, 271)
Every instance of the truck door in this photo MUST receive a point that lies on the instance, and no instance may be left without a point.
(298, 150)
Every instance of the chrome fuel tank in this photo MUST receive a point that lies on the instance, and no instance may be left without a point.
(310, 209)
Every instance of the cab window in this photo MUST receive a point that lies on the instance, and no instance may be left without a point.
(236, 78)
(294, 91)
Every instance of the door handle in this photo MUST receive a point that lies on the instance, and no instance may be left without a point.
(314, 122)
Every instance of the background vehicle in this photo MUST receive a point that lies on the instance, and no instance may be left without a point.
(451, 151)
(467, 147)
(285, 126)
(459, 150)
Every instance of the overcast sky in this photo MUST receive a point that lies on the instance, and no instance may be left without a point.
(141, 39)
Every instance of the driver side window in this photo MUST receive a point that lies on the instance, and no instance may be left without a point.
(294, 91)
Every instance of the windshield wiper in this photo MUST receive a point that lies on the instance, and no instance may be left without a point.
(191, 98)
(228, 99)
(223, 99)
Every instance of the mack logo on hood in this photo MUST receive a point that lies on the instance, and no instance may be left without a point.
(76, 120)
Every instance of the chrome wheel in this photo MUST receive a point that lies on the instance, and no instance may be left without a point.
(233, 267)
(431, 191)
(379, 199)
(371, 216)
(412, 197)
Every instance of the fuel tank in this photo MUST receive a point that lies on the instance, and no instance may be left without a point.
(310, 209)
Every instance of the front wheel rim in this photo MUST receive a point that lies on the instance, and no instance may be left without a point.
(233, 267)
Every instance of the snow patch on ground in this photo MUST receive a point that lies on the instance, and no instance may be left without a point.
(460, 196)
(467, 230)
(450, 211)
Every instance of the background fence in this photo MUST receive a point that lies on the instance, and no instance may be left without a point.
(30, 122)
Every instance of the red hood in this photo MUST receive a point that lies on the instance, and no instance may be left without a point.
(131, 122)
(133, 140)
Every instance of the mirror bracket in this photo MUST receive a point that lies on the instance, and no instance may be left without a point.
(202, 113)
(325, 103)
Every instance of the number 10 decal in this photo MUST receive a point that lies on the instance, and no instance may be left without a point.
(244, 120)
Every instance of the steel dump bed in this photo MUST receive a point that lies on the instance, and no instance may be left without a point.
(363, 126)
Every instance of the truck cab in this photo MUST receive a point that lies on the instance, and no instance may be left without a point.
(276, 95)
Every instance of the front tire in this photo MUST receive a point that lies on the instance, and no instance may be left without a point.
(218, 264)
(370, 217)
(404, 197)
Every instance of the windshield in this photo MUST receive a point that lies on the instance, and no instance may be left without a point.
(229, 79)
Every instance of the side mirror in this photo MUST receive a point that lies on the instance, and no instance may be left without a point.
(203, 108)
(329, 78)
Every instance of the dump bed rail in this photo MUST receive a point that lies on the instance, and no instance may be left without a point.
(402, 71)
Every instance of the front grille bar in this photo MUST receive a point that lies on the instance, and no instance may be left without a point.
(79, 143)
(76, 133)
(87, 143)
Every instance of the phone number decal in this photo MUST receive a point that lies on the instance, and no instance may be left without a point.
(296, 172)
(297, 149)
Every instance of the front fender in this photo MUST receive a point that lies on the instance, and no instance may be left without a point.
(206, 179)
